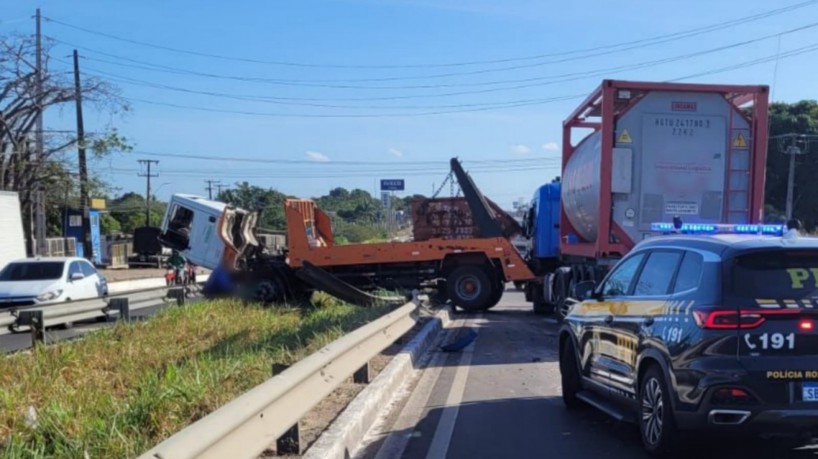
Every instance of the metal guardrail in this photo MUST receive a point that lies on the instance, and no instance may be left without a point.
(37, 318)
(270, 412)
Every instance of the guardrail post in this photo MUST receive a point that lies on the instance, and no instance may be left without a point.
(123, 306)
(362, 375)
(33, 319)
(177, 293)
(279, 367)
(290, 442)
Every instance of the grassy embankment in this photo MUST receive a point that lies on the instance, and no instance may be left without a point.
(121, 390)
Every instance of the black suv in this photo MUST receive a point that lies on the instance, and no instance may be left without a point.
(700, 332)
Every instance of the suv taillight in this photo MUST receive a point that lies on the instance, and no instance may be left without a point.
(732, 319)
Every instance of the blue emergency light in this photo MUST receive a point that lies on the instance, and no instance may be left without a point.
(708, 228)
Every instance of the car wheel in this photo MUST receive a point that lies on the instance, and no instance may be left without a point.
(569, 375)
(656, 423)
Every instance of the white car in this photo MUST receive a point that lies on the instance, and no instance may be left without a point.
(38, 281)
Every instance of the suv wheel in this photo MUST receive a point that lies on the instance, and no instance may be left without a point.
(656, 422)
(569, 374)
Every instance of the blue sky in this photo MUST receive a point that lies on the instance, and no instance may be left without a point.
(348, 42)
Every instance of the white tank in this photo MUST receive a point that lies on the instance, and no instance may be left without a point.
(670, 158)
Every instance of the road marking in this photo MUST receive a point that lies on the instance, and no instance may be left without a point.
(396, 441)
(445, 427)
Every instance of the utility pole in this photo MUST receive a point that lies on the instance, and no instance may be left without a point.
(219, 186)
(86, 220)
(793, 150)
(209, 188)
(39, 210)
(148, 175)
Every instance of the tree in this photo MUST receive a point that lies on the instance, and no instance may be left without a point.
(21, 168)
(250, 197)
(799, 118)
(129, 211)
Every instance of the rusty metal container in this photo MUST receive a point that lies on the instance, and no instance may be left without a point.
(451, 218)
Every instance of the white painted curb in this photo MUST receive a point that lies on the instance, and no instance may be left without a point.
(343, 437)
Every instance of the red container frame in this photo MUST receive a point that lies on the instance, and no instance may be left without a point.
(602, 104)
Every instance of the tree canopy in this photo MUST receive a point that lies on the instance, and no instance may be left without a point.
(796, 118)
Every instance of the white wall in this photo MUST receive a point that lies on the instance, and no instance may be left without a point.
(12, 240)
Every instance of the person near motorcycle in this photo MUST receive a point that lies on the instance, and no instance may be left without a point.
(178, 262)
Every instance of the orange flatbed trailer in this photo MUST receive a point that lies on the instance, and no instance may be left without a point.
(471, 272)
(323, 252)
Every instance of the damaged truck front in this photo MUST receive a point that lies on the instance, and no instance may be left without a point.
(469, 266)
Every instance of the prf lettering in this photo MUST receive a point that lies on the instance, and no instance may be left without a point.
(799, 275)
(792, 374)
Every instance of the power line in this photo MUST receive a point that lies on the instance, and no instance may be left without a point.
(323, 164)
(751, 63)
(487, 107)
(263, 99)
(352, 174)
(697, 30)
(541, 80)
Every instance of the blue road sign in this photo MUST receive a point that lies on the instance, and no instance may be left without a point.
(392, 184)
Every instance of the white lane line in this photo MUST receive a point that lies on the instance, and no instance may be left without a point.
(445, 427)
(404, 427)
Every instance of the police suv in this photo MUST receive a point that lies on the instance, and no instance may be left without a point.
(708, 329)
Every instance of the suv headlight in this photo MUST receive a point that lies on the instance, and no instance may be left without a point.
(48, 296)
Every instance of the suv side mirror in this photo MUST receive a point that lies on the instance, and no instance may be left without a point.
(77, 276)
(584, 290)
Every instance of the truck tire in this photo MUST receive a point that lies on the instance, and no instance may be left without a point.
(471, 288)
(562, 285)
(537, 299)
(499, 290)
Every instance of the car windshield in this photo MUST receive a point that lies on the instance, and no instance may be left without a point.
(32, 271)
(776, 275)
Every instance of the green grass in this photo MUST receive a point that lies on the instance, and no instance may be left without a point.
(122, 390)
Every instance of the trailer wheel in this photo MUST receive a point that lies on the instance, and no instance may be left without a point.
(497, 295)
(471, 288)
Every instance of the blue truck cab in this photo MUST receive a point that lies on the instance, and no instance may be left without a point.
(542, 224)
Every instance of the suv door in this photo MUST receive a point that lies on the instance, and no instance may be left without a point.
(599, 339)
(650, 298)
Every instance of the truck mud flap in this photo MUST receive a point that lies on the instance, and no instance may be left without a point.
(324, 281)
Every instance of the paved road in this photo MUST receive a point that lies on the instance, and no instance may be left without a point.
(501, 398)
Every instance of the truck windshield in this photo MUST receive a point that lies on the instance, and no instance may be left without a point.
(776, 275)
(34, 271)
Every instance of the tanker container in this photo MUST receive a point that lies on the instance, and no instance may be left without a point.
(647, 153)
(659, 151)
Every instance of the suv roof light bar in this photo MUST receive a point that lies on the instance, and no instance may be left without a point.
(711, 228)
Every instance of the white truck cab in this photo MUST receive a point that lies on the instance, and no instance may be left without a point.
(201, 229)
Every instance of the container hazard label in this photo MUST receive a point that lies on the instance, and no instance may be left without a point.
(624, 137)
(682, 208)
(740, 141)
